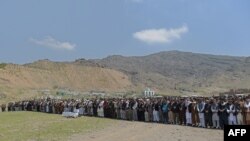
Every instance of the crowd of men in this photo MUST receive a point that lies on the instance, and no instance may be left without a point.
(209, 112)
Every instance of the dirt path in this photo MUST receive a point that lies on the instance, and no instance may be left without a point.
(136, 131)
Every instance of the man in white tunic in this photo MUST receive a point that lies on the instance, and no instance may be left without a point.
(188, 112)
(247, 110)
(156, 111)
(135, 117)
(200, 108)
(231, 112)
(100, 111)
(215, 116)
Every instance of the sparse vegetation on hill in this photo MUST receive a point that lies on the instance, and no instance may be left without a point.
(183, 72)
(18, 81)
(172, 73)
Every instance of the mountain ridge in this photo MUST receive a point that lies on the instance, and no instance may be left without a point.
(168, 72)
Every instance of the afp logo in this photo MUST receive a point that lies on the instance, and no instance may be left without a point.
(233, 132)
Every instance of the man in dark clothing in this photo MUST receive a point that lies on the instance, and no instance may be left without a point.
(123, 109)
(175, 110)
(164, 108)
(208, 114)
(112, 109)
(50, 107)
(105, 108)
(141, 111)
(95, 106)
(3, 106)
(223, 115)
(29, 106)
(130, 109)
(182, 110)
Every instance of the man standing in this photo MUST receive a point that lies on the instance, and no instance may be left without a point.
(247, 109)
(195, 116)
(95, 107)
(223, 115)
(164, 108)
(100, 110)
(208, 114)
(149, 110)
(134, 108)
(239, 106)
(176, 110)
(123, 109)
(182, 112)
(156, 111)
(141, 116)
(231, 111)
(170, 112)
(130, 109)
(3, 106)
(201, 108)
(127, 109)
(215, 116)
(112, 109)
(188, 112)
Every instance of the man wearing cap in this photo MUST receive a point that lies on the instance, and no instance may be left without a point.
(208, 114)
(215, 116)
(200, 109)
(156, 111)
(149, 109)
(223, 115)
(231, 113)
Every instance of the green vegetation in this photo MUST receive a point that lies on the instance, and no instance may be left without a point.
(22, 126)
(3, 65)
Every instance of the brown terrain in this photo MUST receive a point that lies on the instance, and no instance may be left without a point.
(20, 81)
(168, 73)
(139, 131)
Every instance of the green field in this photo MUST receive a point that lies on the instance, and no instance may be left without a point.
(32, 126)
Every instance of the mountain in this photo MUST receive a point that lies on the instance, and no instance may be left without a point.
(170, 73)
(176, 72)
(21, 81)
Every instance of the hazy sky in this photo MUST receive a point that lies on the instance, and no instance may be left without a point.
(69, 29)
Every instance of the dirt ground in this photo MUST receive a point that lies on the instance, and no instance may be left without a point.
(139, 131)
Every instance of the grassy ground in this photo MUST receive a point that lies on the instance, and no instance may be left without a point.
(31, 126)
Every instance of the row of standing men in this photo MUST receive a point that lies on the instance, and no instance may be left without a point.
(200, 112)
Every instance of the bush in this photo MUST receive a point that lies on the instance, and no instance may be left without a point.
(3, 65)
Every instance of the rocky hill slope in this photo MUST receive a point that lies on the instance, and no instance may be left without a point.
(169, 73)
(183, 72)
(22, 80)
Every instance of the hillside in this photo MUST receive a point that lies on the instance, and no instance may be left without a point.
(176, 72)
(170, 73)
(22, 80)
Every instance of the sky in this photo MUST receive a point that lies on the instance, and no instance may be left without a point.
(66, 30)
